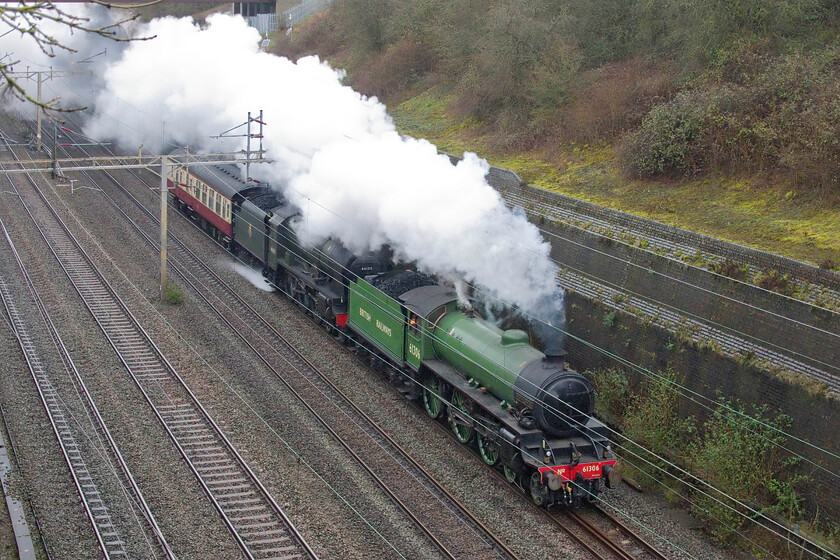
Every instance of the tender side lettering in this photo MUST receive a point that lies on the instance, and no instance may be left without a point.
(383, 327)
(364, 314)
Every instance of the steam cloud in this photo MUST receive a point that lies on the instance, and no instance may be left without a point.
(337, 153)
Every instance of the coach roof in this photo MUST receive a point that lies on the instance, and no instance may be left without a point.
(224, 178)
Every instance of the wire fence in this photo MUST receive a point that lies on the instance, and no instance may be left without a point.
(303, 10)
(265, 23)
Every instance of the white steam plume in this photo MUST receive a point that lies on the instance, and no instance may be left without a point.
(337, 154)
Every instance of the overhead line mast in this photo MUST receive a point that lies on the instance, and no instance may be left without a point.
(248, 135)
(103, 163)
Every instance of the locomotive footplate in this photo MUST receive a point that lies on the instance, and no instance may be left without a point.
(482, 399)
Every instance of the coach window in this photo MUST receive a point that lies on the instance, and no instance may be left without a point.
(217, 198)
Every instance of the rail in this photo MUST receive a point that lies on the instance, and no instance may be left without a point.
(256, 521)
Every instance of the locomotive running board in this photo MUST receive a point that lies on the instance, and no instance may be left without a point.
(484, 400)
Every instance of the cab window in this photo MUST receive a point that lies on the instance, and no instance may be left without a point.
(413, 323)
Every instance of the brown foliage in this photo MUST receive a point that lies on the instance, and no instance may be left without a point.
(731, 269)
(393, 73)
(614, 98)
(321, 34)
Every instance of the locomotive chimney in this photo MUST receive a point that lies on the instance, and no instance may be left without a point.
(549, 327)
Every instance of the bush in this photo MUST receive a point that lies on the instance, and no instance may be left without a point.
(731, 269)
(775, 281)
(754, 112)
(613, 99)
(612, 389)
(652, 419)
(669, 141)
(731, 441)
(393, 73)
(321, 34)
(173, 294)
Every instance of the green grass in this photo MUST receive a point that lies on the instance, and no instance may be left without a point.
(773, 218)
(426, 116)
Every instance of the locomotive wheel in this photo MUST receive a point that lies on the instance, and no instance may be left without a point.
(538, 491)
(433, 390)
(510, 474)
(489, 450)
(514, 470)
(462, 433)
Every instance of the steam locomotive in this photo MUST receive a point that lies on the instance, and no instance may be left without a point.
(525, 412)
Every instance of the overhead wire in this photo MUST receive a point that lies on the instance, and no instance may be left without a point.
(638, 368)
(288, 445)
(694, 286)
(697, 318)
(559, 412)
(681, 262)
(475, 419)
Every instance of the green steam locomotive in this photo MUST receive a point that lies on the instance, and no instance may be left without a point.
(525, 412)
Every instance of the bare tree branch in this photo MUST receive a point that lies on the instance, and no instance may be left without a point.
(26, 19)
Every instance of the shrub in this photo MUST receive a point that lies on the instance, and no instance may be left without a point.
(612, 387)
(173, 294)
(652, 419)
(669, 140)
(732, 440)
(731, 269)
(760, 113)
(775, 281)
(322, 34)
(399, 67)
(613, 99)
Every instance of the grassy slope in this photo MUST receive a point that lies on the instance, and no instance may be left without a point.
(772, 218)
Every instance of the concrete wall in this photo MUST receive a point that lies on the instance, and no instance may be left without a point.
(793, 327)
(702, 371)
(803, 331)
(503, 179)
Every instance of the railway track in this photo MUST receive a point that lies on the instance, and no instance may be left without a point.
(70, 435)
(100, 446)
(589, 536)
(670, 249)
(584, 534)
(619, 541)
(447, 523)
(702, 330)
(94, 502)
(258, 524)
